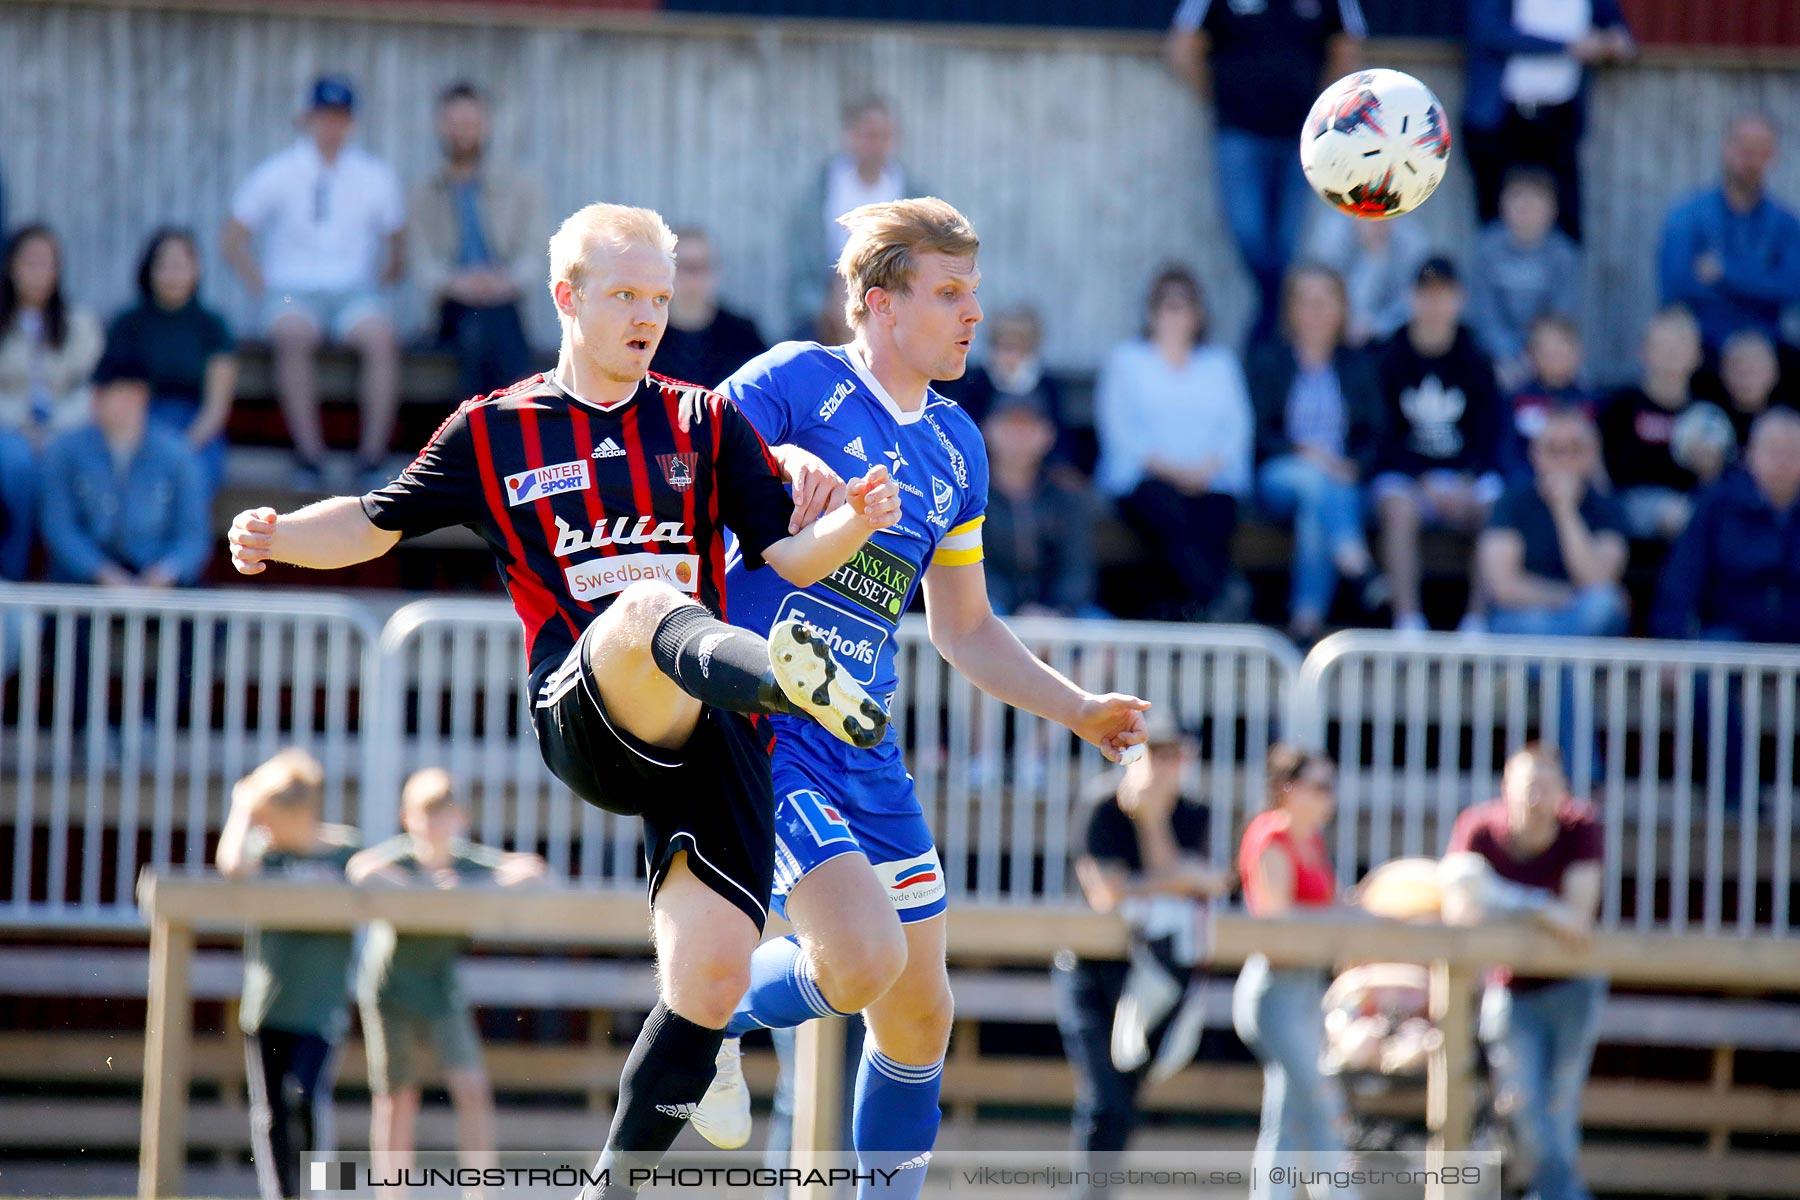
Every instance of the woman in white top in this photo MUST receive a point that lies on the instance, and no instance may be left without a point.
(47, 351)
(1174, 421)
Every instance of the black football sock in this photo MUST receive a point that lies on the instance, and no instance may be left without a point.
(666, 1075)
(716, 663)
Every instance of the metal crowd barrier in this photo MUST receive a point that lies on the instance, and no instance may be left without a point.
(124, 718)
(1687, 748)
(128, 715)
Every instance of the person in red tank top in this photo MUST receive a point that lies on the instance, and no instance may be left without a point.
(1278, 1011)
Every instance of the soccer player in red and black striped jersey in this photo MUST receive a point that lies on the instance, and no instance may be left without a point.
(605, 493)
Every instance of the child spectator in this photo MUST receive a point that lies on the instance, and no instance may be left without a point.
(186, 348)
(1523, 268)
(1175, 426)
(122, 502)
(1554, 352)
(1039, 536)
(293, 1009)
(1439, 459)
(47, 349)
(407, 989)
(1638, 430)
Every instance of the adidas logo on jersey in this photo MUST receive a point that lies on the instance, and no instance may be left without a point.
(680, 1112)
(608, 449)
(855, 450)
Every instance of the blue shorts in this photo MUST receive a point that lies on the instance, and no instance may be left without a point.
(857, 802)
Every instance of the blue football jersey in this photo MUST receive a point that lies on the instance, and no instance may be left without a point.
(818, 398)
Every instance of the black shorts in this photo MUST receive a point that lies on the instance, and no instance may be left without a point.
(712, 797)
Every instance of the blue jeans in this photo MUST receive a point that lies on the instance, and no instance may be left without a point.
(175, 416)
(1327, 515)
(1266, 198)
(490, 345)
(1276, 1011)
(1106, 1111)
(1540, 1042)
(1597, 611)
(18, 503)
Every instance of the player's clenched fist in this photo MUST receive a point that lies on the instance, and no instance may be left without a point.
(876, 498)
(252, 539)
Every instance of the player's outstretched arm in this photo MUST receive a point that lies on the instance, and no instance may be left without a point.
(977, 643)
(828, 543)
(332, 533)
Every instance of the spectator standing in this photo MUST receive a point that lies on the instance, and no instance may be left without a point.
(315, 233)
(1174, 421)
(1145, 854)
(1553, 353)
(705, 341)
(1439, 458)
(1318, 427)
(1734, 573)
(48, 347)
(186, 349)
(1014, 366)
(1523, 268)
(1731, 254)
(406, 986)
(1378, 261)
(1542, 851)
(1263, 65)
(864, 171)
(122, 501)
(294, 1006)
(477, 238)
(1039, 534)
(1526, 99)
(1749, 376)
(1553, 555)
(1277, 1009)
(1638, 431)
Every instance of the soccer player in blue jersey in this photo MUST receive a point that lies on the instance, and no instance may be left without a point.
(856, 867)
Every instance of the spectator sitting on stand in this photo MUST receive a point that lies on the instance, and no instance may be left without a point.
(1378, 261)
(1637, 430)
(186, 348)
(315, 232)
(1013, 367)
(1523, 268)
(1535, 853)
(1439, 456)
(48, 347)
(705, 342)
(294, 1006)
(1554, 353)
(477, 250)
(122, 502)
(1318, 427)
(1731, 254)
(406, 987)
(1554, 552)
(1175, 427)
(1039, 534)
(1734, 573)
(1749, 377)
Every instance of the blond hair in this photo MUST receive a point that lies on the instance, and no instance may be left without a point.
(291, 780)
(884, 240)
(617, 226)
(427, 789)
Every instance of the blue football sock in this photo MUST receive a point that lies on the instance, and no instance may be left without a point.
(895, 1123)
(783, 992)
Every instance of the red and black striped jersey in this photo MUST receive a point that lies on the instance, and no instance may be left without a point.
(577, 502)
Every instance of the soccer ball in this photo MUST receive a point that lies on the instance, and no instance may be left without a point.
(1375, 144)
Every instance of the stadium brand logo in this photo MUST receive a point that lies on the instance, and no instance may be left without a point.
(855, 449)
(570, 540)
(333, 1177)
(836, 400)
(856, 641)
(540, 482)
(600, 577)
(608, 449)
(678, 469)
(913, 882)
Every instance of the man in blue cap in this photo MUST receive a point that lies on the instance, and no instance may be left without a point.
(316, 232)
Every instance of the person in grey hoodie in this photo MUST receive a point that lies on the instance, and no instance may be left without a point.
(1523, 268)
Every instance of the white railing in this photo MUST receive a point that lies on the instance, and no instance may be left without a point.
(128, 715)
(1686, 747)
